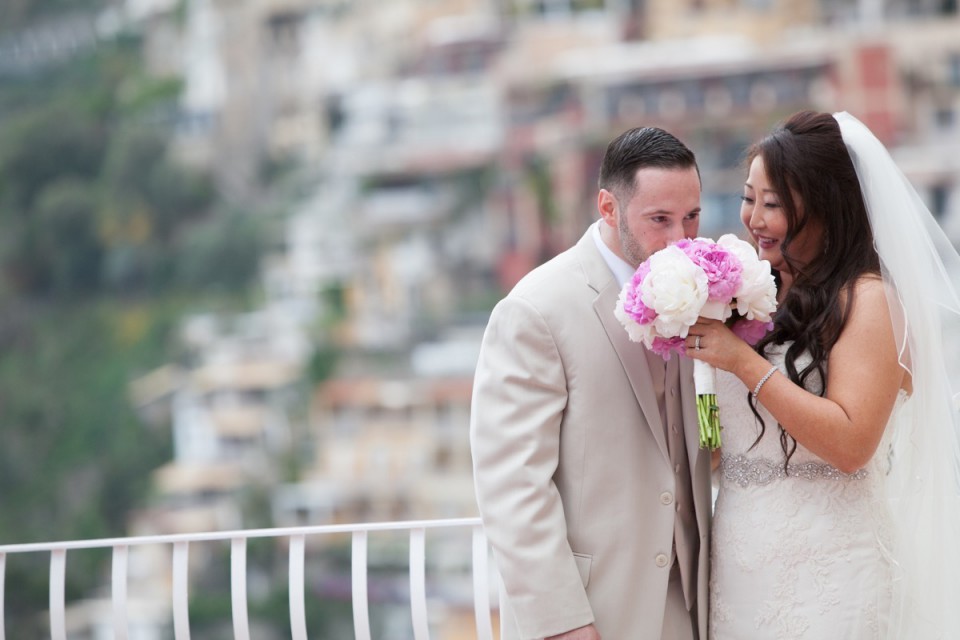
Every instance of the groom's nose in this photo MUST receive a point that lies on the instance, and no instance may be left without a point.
(675, 233)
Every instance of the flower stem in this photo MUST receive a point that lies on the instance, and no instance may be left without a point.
(708, 417)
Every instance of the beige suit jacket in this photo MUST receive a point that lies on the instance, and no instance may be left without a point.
(570, 460)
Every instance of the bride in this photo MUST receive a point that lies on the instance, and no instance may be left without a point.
(838, 514)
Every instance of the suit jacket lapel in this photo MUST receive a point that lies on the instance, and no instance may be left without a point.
(631, 354)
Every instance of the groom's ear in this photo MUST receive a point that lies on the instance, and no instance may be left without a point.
(607, 206)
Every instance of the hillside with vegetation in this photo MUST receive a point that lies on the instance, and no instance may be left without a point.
(106, 241)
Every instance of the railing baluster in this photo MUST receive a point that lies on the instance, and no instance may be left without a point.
(119, 590)
(58, 577)
(298, 618)
(418, 584)
(238, 588)
(481, 585)
(241, 626)
(361, 617)
(181, 596)
(3, 605)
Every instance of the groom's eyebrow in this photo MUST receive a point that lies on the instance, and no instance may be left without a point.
(668, 212)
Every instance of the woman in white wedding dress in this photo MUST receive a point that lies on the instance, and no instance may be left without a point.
(839, 507)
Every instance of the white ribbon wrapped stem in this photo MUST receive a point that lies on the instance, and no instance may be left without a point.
(705, 375)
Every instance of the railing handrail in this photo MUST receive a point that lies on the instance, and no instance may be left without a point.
(273, 532)
(238, 575)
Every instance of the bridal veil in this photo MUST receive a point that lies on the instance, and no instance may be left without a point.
(922, 271)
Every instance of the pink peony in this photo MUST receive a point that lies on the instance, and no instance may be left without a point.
(751, 331)
(722, 267)
(663, 347)
(632, 304)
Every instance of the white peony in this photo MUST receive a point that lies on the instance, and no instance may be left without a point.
(676, 289)
(740, 248)
(756, 299)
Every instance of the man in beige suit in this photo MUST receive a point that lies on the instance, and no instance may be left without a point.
(592, 488)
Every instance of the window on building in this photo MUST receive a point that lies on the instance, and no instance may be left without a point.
(739, 87)
(551, 8)
(443, 459)
(944, 118)
(335, 9)
(284, 30)
(939, 194)
(953, 69)
(556, 8)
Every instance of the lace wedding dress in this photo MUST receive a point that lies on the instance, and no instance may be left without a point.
(797, 554)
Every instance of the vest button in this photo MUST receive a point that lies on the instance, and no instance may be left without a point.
(661, 560)
(666, 498)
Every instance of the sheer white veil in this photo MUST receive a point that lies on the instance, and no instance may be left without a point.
(922, 271)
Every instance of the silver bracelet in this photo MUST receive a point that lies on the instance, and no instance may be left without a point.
(766, 376)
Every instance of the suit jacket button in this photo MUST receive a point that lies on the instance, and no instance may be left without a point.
(661, 560)
(666, 498)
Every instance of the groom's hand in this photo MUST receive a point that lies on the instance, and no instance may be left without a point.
(588, 632)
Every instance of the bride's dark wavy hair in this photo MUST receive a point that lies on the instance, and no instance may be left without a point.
(807, 163)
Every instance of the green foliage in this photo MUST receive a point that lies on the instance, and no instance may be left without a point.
(50, 144)
(47, 161)
(142, 94)
(75, 458)
(540, 182)
(92, 199)
(323, 362)
(72, 445)
(64, 226)
(334, 300)
(106, 242)
(149, 209)
(177, 195)
(132, 156)
(220, 253)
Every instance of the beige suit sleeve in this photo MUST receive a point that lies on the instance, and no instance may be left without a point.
(518, 402)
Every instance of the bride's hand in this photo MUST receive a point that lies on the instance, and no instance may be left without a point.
(719, 346)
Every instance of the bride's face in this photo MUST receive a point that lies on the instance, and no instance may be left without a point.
(763, 216)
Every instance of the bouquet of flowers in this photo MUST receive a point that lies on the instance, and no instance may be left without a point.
(724, 280)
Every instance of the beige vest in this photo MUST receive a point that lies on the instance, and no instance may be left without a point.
(686, 541)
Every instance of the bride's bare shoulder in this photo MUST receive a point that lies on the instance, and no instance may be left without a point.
(876, 317)
(868, 290)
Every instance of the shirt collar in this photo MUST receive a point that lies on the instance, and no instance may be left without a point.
(621, 270)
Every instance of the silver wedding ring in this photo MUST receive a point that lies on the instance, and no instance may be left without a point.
(696, 343)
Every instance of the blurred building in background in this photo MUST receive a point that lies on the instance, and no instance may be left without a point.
(444, 149)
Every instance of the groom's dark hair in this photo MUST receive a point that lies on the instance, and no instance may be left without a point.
(639, 148)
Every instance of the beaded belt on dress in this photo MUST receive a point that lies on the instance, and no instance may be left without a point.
(747, 471)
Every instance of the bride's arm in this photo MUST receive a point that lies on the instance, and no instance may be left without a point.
(864, 376)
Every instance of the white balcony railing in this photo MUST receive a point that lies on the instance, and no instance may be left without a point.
(297, 537)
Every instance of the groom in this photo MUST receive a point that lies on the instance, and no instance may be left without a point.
(591, 486)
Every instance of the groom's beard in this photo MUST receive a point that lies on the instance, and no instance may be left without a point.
(629, 246)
